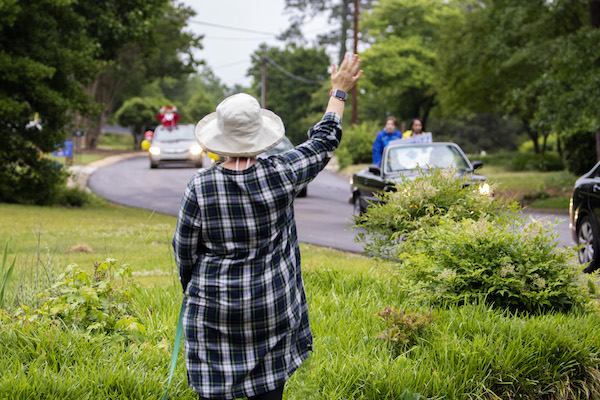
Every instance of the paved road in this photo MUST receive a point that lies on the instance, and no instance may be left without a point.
(323, 217)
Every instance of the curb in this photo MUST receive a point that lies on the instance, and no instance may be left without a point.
(81, 173)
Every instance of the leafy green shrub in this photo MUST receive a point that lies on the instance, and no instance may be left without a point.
(537, 162)
(456, 245)
(94, 303)
(580, 151)
(403, 328)
(419, 203)
(34, 181)
(72, 197)
(519, 269)
(357, 144)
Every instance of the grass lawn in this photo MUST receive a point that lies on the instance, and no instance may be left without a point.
(468, 352)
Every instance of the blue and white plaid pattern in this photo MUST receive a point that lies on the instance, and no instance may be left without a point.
(246, 319)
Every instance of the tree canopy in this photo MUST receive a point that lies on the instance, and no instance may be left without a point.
(496, 56)
(60, 61)
(293, 75)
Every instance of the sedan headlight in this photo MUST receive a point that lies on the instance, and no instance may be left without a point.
(195, 149)
(154, 150)
(484, 189)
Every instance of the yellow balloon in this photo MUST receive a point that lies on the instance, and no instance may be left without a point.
(145, 144)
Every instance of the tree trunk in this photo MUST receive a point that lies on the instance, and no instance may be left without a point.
(533, 135)
(107, 88)
(544, 144)
(93, 133)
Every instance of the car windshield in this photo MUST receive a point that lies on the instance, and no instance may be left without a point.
(424, 157)
(178, 133)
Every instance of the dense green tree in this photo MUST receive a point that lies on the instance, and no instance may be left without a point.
(570, 93)
(140, 40)
(61, 61)
(45, 57)
(139, 113)
(199, 105)
(194, 95)
(293, 75)
(400, 63)
(492, 58)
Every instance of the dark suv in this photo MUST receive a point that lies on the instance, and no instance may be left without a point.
(584, 211)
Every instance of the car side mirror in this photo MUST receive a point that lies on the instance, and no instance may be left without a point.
(375, 170)
(477, 164)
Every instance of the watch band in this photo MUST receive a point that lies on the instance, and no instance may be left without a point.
(340, 94)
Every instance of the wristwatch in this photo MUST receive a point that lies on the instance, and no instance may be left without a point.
(340, 94)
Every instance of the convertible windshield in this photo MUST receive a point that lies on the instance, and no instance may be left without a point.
(424, 157)
(180, 132)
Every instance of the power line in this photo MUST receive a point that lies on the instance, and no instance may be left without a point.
(232, 28)
(286, 72)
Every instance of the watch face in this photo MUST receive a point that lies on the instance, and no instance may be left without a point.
(339, 94)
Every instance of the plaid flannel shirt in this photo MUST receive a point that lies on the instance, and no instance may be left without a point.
(246, 318)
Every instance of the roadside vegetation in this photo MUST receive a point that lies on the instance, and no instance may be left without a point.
(90, 309)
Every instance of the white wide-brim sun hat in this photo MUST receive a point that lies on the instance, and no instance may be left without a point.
(239, 128)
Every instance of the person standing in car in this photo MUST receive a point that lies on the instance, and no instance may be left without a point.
(384, 137)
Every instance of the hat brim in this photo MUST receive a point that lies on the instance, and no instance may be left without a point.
(212, 139)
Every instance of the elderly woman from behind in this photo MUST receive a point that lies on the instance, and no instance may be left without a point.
(246, 320)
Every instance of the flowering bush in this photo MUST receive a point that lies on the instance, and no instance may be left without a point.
(456, 245)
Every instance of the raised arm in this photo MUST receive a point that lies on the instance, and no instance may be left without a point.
(343, 79)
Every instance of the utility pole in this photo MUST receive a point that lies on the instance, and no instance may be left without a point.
(355, 89)
(263, 86)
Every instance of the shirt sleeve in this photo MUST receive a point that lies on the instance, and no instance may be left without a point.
(308, 159)
(186, 242)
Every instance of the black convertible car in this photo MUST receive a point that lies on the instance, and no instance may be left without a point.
(584, 211)
(401, 160)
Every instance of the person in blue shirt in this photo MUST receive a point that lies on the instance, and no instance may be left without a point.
(388, 134)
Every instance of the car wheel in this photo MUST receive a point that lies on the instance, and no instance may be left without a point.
(358, 211)
(198, 164)
(587, 239)
(153, 164)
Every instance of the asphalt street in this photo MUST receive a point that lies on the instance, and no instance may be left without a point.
(323, 217)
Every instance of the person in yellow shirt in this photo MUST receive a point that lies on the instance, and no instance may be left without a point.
(416, 128)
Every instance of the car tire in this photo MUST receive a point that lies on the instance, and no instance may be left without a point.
(153, 165)
(198, 164)
(588, 241)
(358, 210)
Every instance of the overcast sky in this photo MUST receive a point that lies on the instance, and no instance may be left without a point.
(243, 26)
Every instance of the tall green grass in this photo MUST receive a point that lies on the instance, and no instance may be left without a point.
(468, 352)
